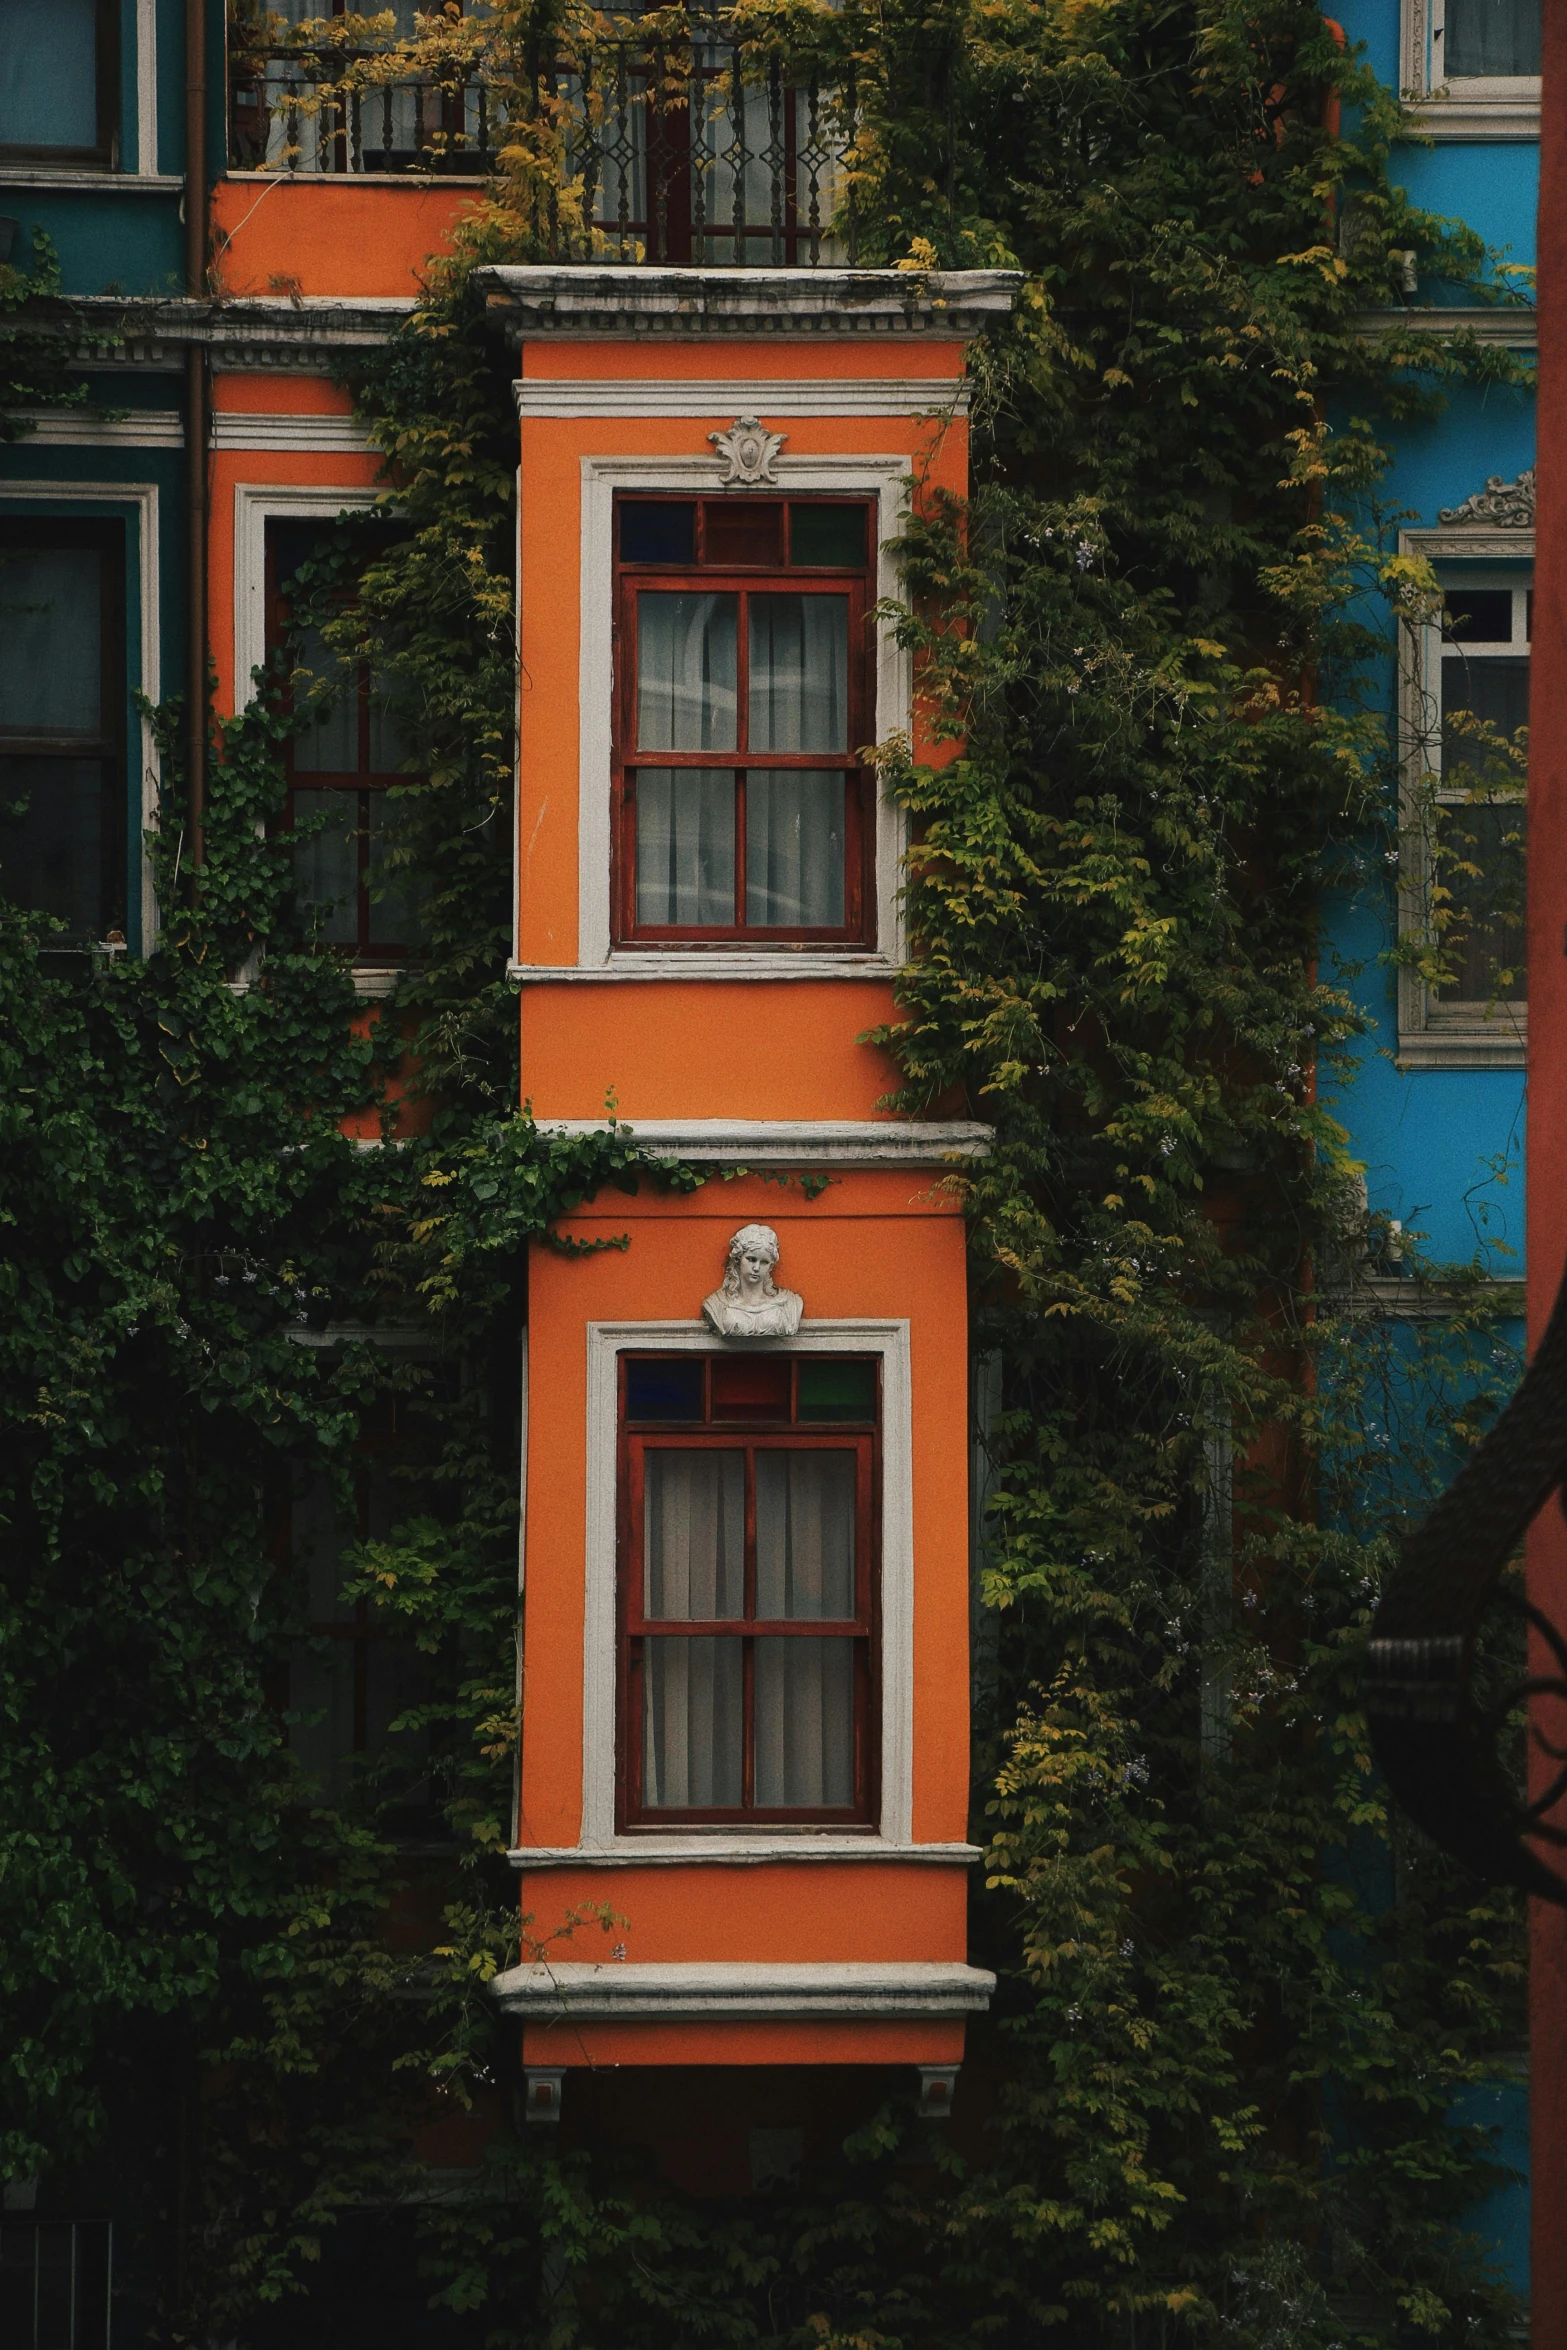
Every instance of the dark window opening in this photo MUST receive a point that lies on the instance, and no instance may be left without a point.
(1489, 39)
(1481, 816)
(56, 2277)
(62, 721)
(59, 80)
(342, 768)
(744, 809)
(749, 1536)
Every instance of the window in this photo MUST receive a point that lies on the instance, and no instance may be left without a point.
(743, 808)
(341, 768)
(55, 2280)
(1465, 818)
(349, 1680)
(749, 1513)
(1487, 40)
(62, 721)
(58, 80)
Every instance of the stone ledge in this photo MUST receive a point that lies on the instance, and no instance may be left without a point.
(590, 298)
(734, 1990)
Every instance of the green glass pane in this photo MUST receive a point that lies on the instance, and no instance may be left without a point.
(837, 1390)
(827, 534)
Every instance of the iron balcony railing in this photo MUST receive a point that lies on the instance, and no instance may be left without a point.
(706, 157)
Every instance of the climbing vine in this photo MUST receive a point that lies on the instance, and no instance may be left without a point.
(1221, 2096)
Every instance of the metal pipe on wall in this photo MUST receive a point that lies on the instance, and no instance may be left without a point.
(196, 427)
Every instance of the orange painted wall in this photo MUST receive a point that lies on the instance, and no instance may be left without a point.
(330, 470)
(893, 2042)
(352, 237)
(714, 1049)
(768, 1910)
(723, 358)
(882, 1244)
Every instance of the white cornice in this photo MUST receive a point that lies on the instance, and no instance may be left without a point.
(1512, 324)
(731, 1851)
(1472, 119)
(739, 1989)
(687, 963)
(777, 396)
(590, 298)
(97, 183)
(232, 429)
(78, 428)
(798, 1142)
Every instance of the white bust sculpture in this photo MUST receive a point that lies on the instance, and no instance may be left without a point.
(750, 1304)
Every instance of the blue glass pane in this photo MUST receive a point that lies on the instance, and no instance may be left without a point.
(661, 533)
(667, 1390)
(49, 74)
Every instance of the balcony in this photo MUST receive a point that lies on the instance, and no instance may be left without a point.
(688, 153)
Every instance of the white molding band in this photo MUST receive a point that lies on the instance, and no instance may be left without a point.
(798, 1142)
(605, 1342)
(743, 1990)
(143, 495)
(778, 396)
(1515, 325)
(736, 1851)
(1451, 118)
(885, 479)
(100, 183)
(1501, 108)
(254, 503)
(326, 435)
(146, 89)
(688, 963)
(79, 428)
(578, 298)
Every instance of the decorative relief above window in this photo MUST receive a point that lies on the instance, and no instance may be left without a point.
(1472, 67)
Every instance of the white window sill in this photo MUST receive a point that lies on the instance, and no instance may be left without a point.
(721, 963)
(732, 1851)
(102, 179)
(1501, 109)
(1499, 1043)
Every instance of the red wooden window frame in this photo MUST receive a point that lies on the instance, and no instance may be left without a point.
(749, 1436)
(362, 778)
(858, 928)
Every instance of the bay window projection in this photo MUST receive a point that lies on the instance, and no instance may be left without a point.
(743, 807)
(62, 721)
(748, 1588)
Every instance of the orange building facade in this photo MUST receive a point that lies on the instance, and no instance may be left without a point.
(745, 1677)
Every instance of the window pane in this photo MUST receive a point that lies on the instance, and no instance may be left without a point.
(799, 673)
(1496, 692)
(827, 534)
(1479, 616)
(805, 1534)
(51, 640)
(804, 1722)
(329, 745)
(837, 1390)
(51, 838)
(686, 647)
(664, 1390)
(661, 531)
(390, 741)
(794, 825)
(1492, 37)
(322, 1527)
(1483, 872)
(694, 1535)
(686, 846)
(396, 897)
(692, 1724)
(326, 864)
(49, 74)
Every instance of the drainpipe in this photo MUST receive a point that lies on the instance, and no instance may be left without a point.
(196, 426)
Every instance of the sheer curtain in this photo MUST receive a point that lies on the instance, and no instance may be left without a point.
(804, 1689)
(794, 819)
(687, 647)
(685, 846)
(794, 823)
(799, 697)
(693, 1571)
(1491, 37)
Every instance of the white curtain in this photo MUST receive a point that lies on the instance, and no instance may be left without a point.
(686, 671)
(1486, 37)
(326, 863)
(799, 690)
(804, 1722)
(694, 1723)
(686, 845)
(693, 1572)
(805, 1534)
(794, 825)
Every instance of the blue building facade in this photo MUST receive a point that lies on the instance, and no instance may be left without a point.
(1436, 1110)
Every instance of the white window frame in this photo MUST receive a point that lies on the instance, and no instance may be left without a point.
(1493, 107)
(885, 479)
(1431, 1033)
(892, 1838)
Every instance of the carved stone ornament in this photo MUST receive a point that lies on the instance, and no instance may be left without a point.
(749, 451)
(1505, 505)
(749, 1304)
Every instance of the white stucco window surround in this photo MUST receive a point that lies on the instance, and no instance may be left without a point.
(882, 478)
(599, 1844)
(1463, 105)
